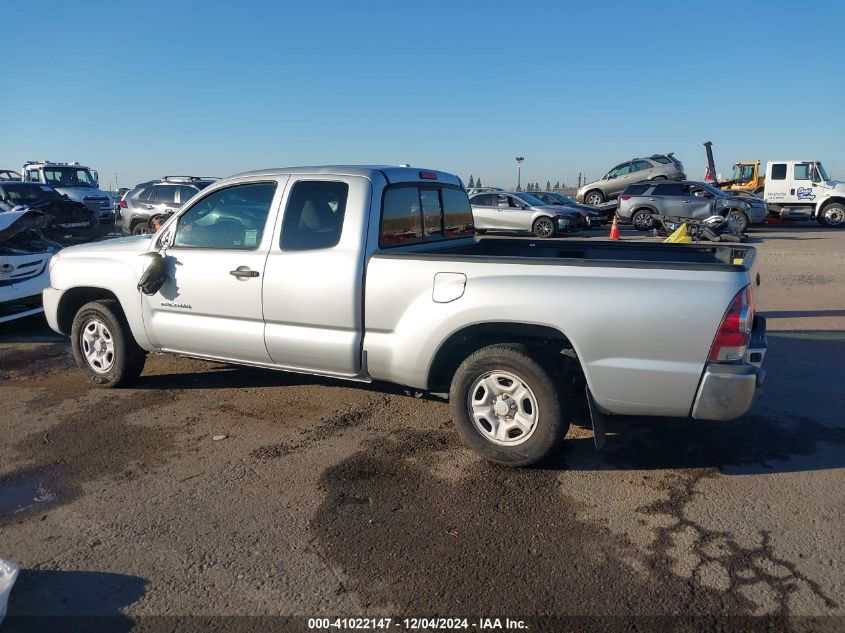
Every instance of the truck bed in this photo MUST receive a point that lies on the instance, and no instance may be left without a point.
(726, 257)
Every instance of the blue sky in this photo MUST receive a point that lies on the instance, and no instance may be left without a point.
(148, 88)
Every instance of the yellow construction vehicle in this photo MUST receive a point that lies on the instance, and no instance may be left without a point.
(746, 176)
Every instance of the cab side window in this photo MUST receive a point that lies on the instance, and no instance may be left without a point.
(801, 171)
(186, 193)
(230, 218)
(779, 171)
(314, 215)
(165, 193)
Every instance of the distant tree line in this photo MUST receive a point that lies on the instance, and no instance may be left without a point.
(531, 186)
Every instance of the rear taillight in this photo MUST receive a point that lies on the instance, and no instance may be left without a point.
(624, 197)
(732, 337)
(122, 204)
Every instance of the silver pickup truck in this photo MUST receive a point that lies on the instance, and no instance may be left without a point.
(374, 274)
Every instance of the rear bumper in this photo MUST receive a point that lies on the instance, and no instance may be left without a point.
(728, 391)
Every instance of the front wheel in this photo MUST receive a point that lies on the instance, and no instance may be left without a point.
(507, 406)
(833, 215)
(544, 227)
(103, 345)
(594, 198)
(643, 220)
(741, 219)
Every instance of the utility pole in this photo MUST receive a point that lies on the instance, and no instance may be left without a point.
(519, 160)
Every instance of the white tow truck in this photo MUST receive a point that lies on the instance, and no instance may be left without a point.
(801, 189)
(75, 181)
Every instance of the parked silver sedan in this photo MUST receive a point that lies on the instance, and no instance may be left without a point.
(517, 211)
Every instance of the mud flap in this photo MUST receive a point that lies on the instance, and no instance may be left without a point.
(597, 418)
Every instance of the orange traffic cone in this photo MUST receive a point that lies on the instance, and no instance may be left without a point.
(614, 229)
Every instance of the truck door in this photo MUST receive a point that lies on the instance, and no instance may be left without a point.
(210, 305)
(803, 189)
(314, 278)
(777, 184)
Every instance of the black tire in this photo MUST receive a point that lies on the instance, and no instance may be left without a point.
(544, 227)
(543, 382)
(140, 228)
(832, 215)
(596, 195)
(742, 221)
(125, 361)
(643, 220)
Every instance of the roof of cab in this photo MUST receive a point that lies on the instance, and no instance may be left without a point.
(392, 173)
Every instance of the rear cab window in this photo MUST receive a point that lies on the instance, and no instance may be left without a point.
(413, 214)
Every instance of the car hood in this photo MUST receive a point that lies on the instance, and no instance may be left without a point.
(14, 222)
(78, 193)
(132, 244)
(581, 208)
(836, 185)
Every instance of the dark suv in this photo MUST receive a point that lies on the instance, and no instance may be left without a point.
(640, 202)
(156, 197)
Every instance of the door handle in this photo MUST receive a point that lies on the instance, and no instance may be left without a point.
(243, 272)
(792, 192)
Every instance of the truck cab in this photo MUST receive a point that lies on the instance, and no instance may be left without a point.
(802, 189)
(75, 181)
(746, 176)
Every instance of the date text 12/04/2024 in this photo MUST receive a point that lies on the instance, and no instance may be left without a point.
(412, 624)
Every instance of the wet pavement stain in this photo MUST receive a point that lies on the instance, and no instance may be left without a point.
(86, 445)
(24, 492)
(717, 553)
(495, 540)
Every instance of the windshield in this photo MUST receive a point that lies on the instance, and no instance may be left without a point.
(822, 172)
(69, 177)
(564, 199)
(23, 193)
(711, 189)
(529, 199)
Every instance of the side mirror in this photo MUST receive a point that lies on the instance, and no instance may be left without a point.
(525, 207)
(611, 176)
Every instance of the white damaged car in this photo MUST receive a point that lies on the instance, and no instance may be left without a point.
(24, 257)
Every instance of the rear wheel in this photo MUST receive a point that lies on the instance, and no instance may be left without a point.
(103, 345)
(833, 215)
(507, 405)
(140, 228)
(643, 220)
(594, 198)
(544, 227)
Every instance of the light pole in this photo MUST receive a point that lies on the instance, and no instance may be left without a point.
(519, 160)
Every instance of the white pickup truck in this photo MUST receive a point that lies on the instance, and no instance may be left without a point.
(802, 189)
(373, 273)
